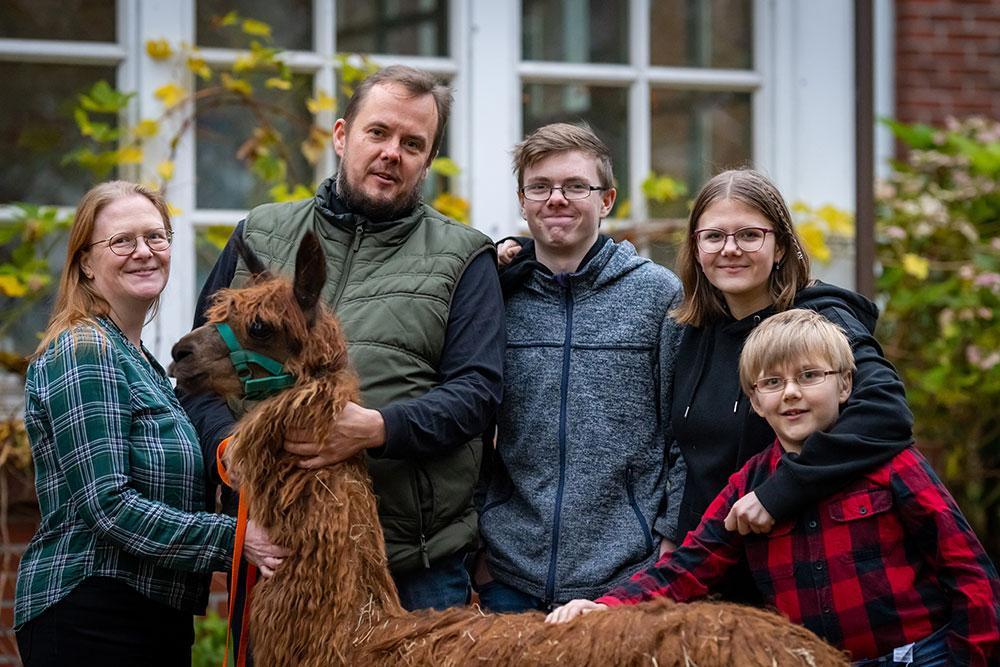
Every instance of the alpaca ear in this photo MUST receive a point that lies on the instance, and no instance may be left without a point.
(250, 258)
(310, 273)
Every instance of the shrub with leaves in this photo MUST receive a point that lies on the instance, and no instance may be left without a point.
(938, 238)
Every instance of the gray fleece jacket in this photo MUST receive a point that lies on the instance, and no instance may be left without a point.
(574, 499)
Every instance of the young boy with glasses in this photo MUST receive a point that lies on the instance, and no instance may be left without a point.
(887, 569)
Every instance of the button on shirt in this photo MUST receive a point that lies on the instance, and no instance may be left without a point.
(884, 563)
(119, 478)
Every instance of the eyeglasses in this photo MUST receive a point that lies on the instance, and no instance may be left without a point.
(809, 378)
(573, 191)
(123, 244)
(748, 239)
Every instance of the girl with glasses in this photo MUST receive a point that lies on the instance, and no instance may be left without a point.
(741, 262)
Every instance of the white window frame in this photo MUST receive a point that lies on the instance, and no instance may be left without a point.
(801, 88)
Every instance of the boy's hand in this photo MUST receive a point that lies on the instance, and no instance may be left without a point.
(572, 609)
(748, 515)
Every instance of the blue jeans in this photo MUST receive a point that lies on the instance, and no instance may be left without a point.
(502, 599)
(931, 651)
(444, 584)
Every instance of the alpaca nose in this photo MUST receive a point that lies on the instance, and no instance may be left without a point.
(180, 350)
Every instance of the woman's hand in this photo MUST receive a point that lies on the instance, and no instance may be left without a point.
(572, 609)
(258, 550)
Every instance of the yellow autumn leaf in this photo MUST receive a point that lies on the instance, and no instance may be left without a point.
(839, 221)
(252, 27)
(232, 18)
(322, 102)
(916, 266)
(277, 82)
(200, 67)
(243, 62)
(173, 210)
(169, 94)
(158, 49)
(11, 286)
(166, 170)
(452, 206)
(236, 85)
(145, 129)
(129, 155)
(812, 237)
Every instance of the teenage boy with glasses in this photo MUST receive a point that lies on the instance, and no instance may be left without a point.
(573, 499)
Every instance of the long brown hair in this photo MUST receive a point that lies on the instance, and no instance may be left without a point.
(78, 302)
(704, 303)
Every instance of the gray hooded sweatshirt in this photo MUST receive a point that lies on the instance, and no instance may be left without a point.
(574, 499)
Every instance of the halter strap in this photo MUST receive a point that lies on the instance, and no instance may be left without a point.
(255, 389)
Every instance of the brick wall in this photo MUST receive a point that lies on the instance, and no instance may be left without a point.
(947, 59)
(20, 528)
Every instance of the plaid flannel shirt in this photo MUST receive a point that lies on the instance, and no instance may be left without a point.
(883, 563)
(119, 478)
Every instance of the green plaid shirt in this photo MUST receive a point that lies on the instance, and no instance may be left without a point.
(119, 478)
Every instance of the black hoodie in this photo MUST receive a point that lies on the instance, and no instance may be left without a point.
(717, 430)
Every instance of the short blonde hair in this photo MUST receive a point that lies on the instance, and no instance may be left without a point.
(789, 336)
(704, 304)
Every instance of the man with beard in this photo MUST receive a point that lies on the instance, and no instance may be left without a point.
(420, 304)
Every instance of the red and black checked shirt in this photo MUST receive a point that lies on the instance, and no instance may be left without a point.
(886, 562)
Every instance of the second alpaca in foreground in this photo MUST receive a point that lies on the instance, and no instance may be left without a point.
(333, 602)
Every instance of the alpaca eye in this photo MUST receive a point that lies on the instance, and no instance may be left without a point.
(259, 330)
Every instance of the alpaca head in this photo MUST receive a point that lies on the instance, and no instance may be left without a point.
(273, 318)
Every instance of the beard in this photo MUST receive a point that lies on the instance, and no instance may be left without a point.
(377, 210)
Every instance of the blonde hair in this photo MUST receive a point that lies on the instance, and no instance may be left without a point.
(790, 336)
(704, 303)
(78, 302)
(557, 138)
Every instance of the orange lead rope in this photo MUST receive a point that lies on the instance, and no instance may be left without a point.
(251, 577)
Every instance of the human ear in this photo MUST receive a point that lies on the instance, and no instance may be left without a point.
(846, 385)
(339, 136)
(754, 404)
(608, 202)
(85, 266)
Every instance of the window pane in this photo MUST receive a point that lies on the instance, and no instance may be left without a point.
(575, 31)
(701, 33)
(603, 108)
(79, 20)
(225, 180)
(290, 20)
(37, 129)
(397, 27)
(696, 134)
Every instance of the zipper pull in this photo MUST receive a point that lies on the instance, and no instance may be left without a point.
(423, 552)
(358, 232)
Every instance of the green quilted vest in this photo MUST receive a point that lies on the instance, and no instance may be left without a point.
(392, 291)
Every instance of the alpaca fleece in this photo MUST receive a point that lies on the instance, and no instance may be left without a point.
(333, 601)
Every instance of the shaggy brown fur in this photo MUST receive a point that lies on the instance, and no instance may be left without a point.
(333, 602)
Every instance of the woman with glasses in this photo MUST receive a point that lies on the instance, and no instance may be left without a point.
(124, 553)
(740, 263)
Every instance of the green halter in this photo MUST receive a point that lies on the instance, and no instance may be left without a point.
(259, 388)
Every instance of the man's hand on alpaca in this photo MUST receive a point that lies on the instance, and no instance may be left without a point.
(356, 429)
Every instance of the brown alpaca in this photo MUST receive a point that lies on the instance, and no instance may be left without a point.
(333, 602)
